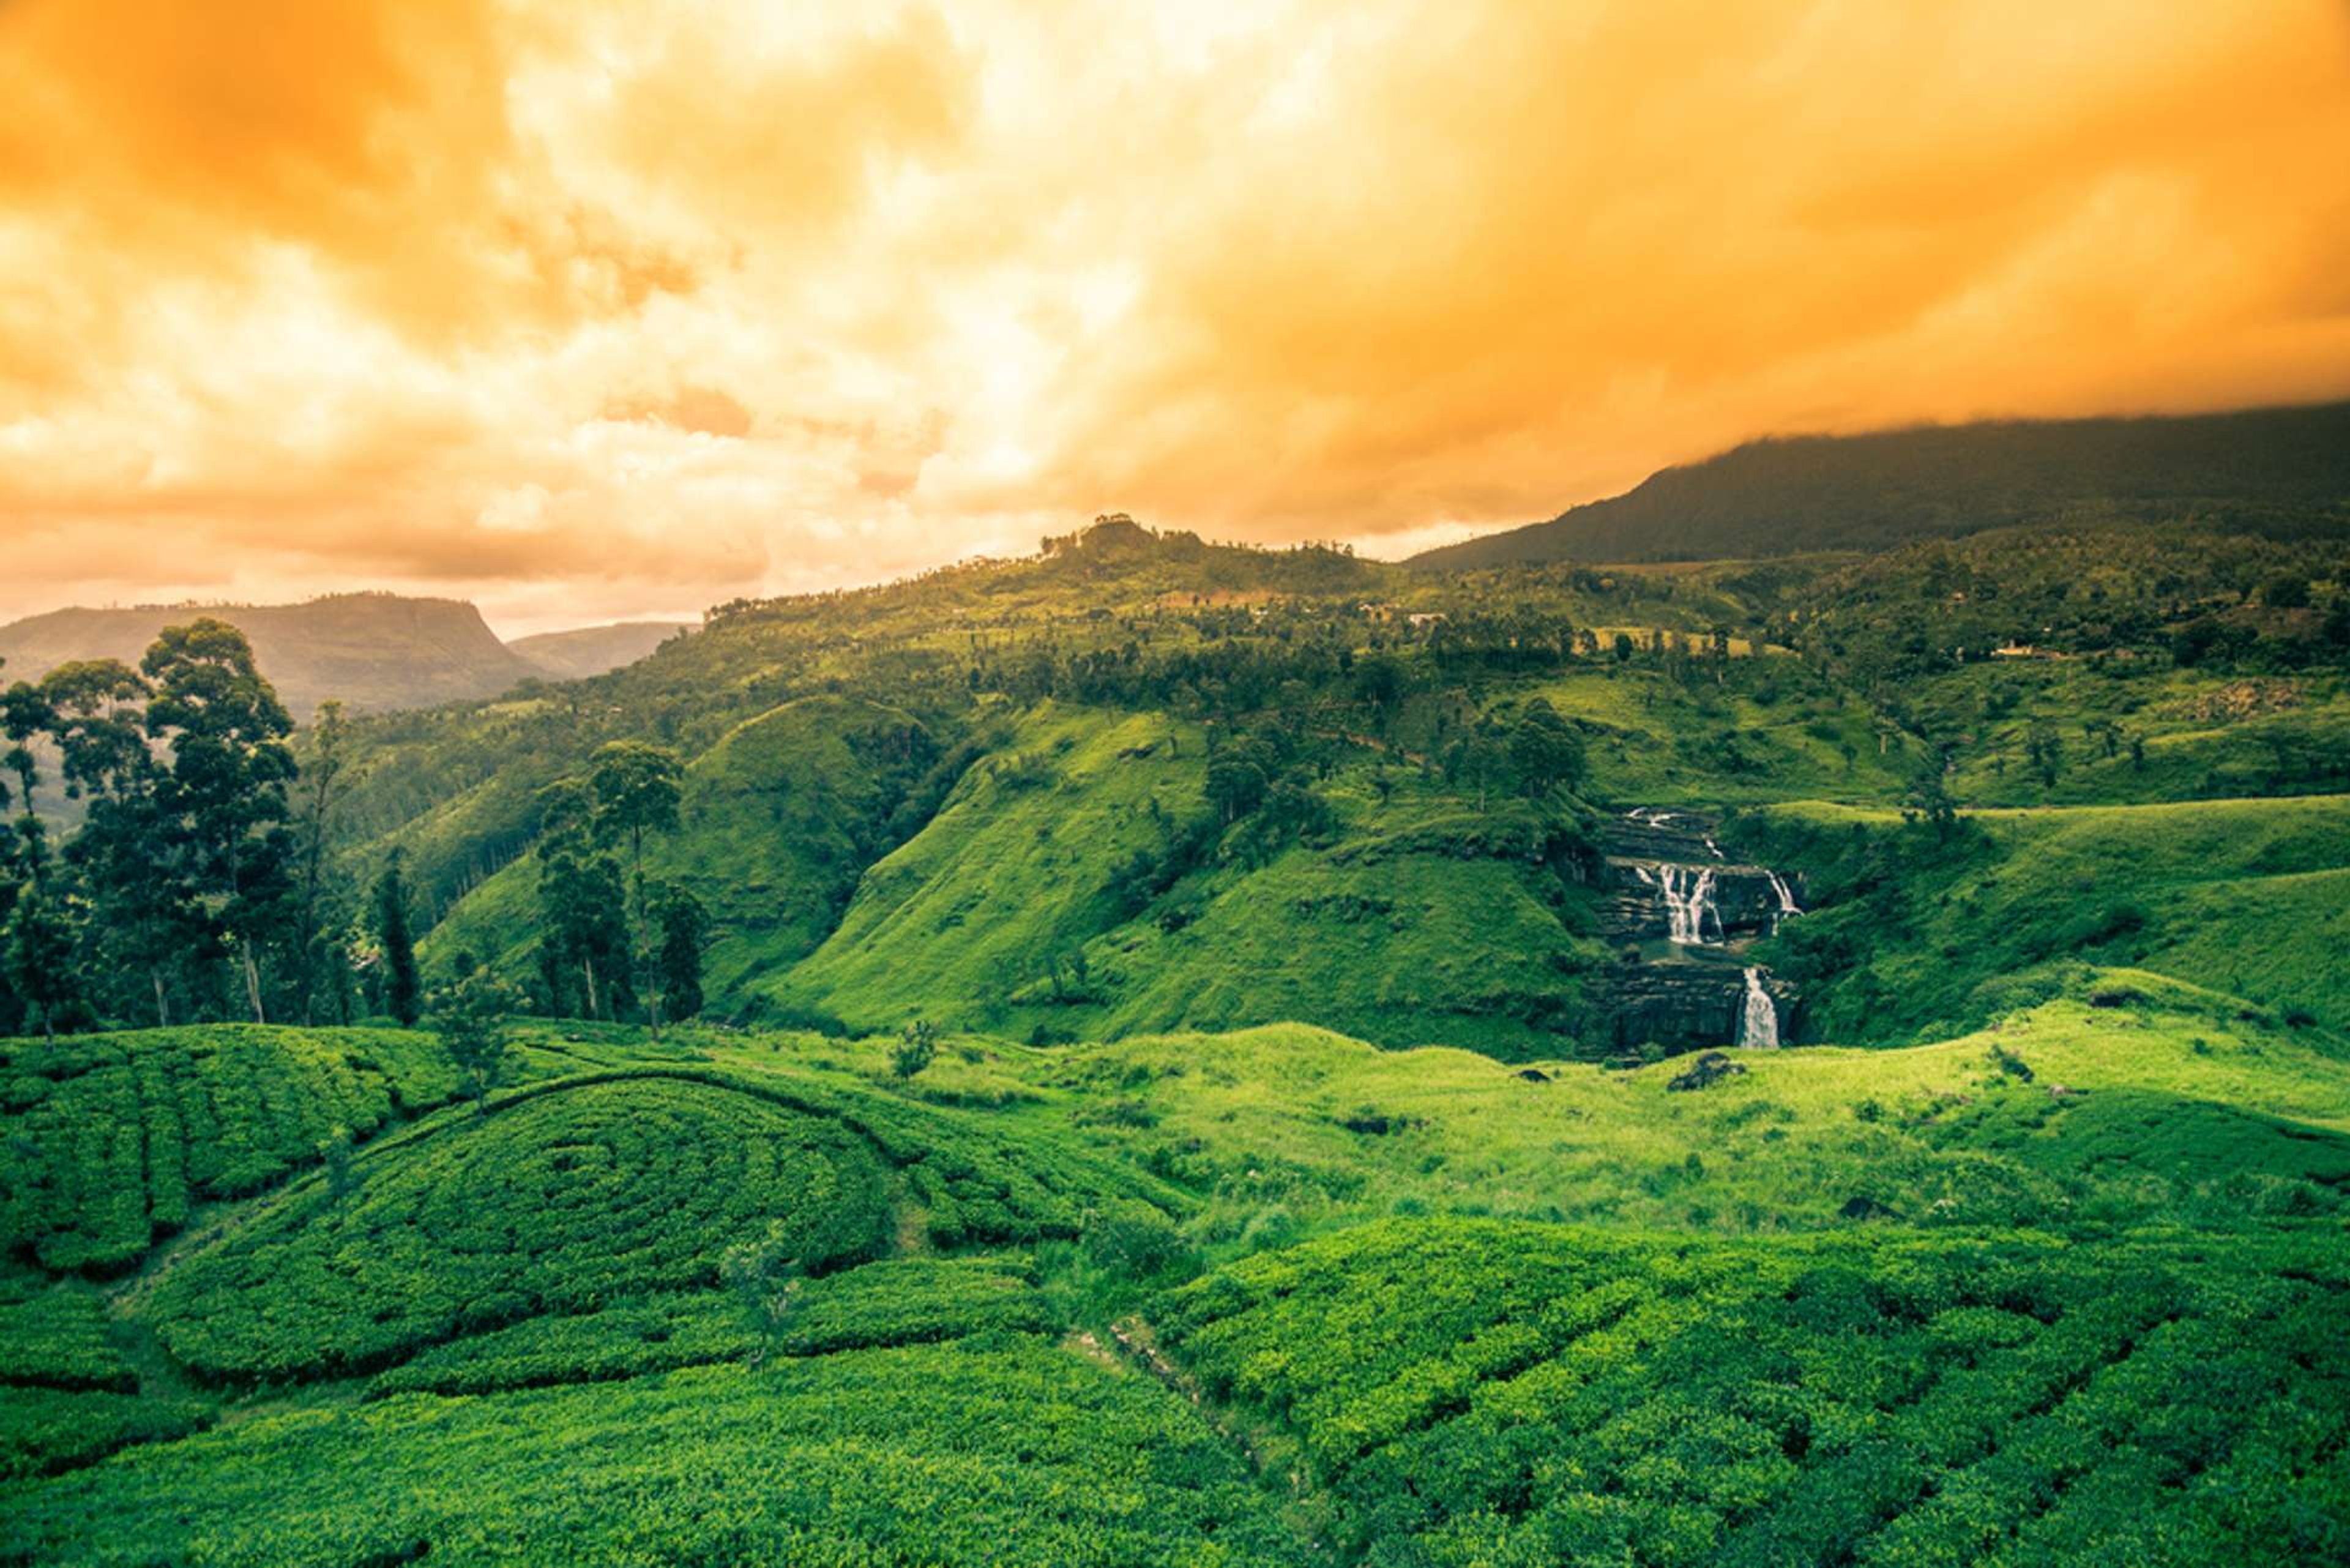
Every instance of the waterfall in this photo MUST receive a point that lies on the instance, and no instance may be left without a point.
(1758, 1028)
(1787, 907)
(1687, 893)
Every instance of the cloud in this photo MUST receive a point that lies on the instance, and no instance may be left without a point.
(605, 308)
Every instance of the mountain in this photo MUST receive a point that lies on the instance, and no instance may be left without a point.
(2282, 472)
(374, 651)
(587, 650)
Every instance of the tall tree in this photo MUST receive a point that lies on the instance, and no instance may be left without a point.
(322, 767)
(684, 929)
(226, 784)
(470, 1016)
(403, 991)
(1545, 750)
(584, 933)
(96, 717)
(635, 784)
(36, 947)
(25, 712)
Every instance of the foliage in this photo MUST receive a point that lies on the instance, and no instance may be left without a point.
(1009, 1451)
(917, 1048)
(114, 1140)
(563, 1197)
(470, 1016)
(1525, 1393)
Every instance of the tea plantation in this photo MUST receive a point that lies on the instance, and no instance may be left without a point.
(1481, 1393)
(1197, 1299)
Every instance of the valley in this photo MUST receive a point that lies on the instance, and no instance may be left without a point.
(1197, 1054)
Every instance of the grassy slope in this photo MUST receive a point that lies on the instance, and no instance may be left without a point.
(1655, 741)
(1261, 1117)
(2244, 896)
(772, 825)
(1014, 871)
(1400, 928)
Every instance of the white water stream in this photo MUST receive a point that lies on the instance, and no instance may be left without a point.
(1758, 1028)
(1688, 892)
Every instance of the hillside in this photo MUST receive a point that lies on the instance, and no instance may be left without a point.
(1036, 855)
(587, 650)
(2283, 471)
(375, 652)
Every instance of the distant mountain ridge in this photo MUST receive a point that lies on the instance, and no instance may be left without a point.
(373, 651)
(2283, 471)
(587, 650)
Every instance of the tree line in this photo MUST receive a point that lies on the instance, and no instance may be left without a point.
(200, 884)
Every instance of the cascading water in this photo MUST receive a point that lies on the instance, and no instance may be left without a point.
(1758, 1028)
(1787, 907)
(1688, 892)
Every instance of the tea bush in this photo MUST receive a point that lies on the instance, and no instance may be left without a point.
(1515, 1392)
(113, 1140)
(560, 1199)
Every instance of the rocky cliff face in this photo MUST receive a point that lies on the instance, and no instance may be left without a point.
(372, 651)
(1681, 913)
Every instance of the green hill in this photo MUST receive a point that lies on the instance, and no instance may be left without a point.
(1916, 932)
(778, 819)
(2280, 471)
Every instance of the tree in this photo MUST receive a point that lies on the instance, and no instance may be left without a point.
(225, 789)
(584, 933)
(1930, 796)
(25, 712)
(321, 768)
(402, 990)
(2045, 749)
(1547, 751)
(37, 949)
(684, 928)
(636, 790)
(765, 1275)
(470, 1016)
(916, 1048)
(635, 786)
(97, 723)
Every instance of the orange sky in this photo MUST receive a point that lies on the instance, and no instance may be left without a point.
(586, 310)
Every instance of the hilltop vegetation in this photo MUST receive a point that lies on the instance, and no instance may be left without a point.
(1160, 1052)
(2273, 470)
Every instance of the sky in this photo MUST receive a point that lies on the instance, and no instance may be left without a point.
(604, 308)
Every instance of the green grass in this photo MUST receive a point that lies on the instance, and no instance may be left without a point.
(1015, 873)
(2240, 895)
(1006, 1450)
(116, 1139)
(2231, 1116)
(1478, 1393)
